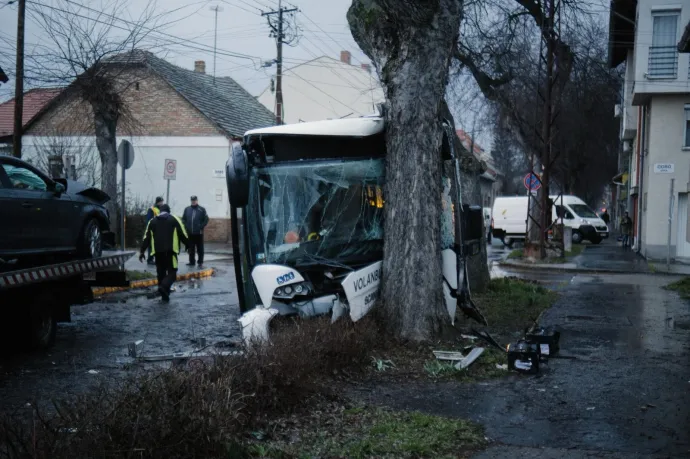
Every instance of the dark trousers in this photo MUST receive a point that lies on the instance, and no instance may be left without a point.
(166, 270)
(196, 245)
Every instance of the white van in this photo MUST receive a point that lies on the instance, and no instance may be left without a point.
(510, 219)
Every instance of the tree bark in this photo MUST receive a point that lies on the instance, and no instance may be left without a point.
(105, 123)
(411, 44)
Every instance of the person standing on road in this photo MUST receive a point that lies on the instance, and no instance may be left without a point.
(606, 218)
(626, 229)
(164, 233)
(153, 211)
(195, 220)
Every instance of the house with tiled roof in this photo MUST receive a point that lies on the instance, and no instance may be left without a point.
(35, 100)
(175, 113)
(490, 180)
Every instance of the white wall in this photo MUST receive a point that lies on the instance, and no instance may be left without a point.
(325, 88)
(197, 159)
(666, 134)
(629, 127)
(643, 40)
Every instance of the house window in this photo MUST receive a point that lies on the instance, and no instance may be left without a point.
(663, 54)
(686, 122)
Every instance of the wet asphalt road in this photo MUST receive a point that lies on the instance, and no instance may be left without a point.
(99, 333)
(625, 395)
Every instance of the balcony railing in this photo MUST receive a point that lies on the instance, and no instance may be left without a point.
(663, 62)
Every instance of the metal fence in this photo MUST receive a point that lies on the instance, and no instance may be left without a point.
(663, 62)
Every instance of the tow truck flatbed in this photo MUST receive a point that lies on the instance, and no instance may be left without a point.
(34, 299)
(44, 273)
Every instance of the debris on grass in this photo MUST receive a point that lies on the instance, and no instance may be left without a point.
(469, 360)
(449, 355)
(381, 364)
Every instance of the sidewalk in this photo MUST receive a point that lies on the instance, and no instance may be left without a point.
(607, 257)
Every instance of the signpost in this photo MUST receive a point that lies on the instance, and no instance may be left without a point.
(125, 158)
(169, 173)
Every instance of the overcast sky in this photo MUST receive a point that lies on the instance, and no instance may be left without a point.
(187, 34)
(241, 29)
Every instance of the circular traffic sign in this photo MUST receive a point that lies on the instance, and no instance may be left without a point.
(531, 182)
(171, 167)
(125, 154)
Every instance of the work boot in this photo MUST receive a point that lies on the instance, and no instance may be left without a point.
(164, 295)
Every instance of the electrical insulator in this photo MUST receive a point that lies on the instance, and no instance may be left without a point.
(273, 85)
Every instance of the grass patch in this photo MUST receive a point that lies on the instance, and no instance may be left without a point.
(515, 254)
(134, 275)
(682, 287)
(363, 432)
(511, 304)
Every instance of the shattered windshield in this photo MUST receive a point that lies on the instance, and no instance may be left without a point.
(317, 212)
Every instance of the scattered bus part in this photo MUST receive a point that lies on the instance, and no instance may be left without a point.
(488, 338)
(471, 357)
(524, 357)
(547, 338)
(133, 349)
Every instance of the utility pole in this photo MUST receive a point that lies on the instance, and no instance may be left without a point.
(279, 34)
(215, 40)
(539, 207)
(19, 83)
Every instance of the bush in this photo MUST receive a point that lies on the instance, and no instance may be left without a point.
(199, 411)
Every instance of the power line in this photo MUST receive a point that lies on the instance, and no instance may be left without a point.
(146, 29)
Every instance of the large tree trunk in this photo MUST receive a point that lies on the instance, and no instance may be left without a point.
(410, 44)
(105, 122)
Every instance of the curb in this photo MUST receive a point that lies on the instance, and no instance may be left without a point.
(546, 267)
(98, 291)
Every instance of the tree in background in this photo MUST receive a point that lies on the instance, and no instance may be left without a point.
(90, 52)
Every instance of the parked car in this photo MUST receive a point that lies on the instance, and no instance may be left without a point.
(510, 219)
(41, 216)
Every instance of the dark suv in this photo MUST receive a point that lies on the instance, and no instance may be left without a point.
(41, 217)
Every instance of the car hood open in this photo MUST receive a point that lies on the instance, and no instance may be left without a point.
(92, 193)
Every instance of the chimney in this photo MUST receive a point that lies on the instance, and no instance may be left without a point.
(345, 57)
(367, 67)
(200, 66)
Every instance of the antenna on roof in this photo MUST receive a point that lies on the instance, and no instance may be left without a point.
(215, 39)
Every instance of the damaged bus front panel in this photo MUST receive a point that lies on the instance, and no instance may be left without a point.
(307, 207)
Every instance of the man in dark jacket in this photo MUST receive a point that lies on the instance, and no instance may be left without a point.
(164, 235)
(153, 211)
(195, 220)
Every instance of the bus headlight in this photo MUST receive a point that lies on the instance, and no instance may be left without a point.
(290, 291)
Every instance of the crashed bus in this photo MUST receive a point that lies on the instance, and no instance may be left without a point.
(307, 206)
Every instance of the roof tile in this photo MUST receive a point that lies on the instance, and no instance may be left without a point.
(34, 101)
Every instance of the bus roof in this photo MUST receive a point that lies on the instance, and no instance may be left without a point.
(351, 127)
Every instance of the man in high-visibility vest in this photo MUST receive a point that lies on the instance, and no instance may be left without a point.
(153, 211)
(164, 235)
